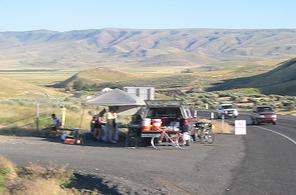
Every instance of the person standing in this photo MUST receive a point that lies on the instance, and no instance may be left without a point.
(100, 126)
(93, 124)
(112, 133)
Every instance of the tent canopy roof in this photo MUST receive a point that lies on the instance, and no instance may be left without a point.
(116, 97)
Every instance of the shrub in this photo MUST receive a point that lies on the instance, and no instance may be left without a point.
(234, 98)
(78, 85)
(187, 71)
(288, 103)
(291, 107)
(223, 94)
(204, 100)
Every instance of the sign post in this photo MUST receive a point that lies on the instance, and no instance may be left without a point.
(37, 115)
(223, 120)
(63, 110)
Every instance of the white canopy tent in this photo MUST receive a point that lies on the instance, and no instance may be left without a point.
(127, 104)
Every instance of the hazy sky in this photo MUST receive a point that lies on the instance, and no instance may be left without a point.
(63, 15)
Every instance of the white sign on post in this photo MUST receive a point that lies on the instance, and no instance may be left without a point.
(240, 127)
(212, 115)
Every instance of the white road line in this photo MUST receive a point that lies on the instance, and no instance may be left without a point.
(283, 135)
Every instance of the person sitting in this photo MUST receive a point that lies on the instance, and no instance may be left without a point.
(134, 130)
(56, 123)
(136, 123)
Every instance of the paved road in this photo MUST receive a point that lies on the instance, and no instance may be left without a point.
(269, 165)
(262, 162)
(145, 170)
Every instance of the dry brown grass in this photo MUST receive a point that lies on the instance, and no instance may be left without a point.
(291, 113)
(40, 78)
(8, 174)
(34, 179)
(218, 127)
(15, 88)
(45, 172)
(224, 129)
(43, 186)
(8, 167)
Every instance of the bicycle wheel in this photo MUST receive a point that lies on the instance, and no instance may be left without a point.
(154, 141)
(198, 136)
(209, 137)
(177, 141)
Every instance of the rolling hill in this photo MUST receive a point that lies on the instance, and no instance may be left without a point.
(99, 78)
(142, 48)
(96, 76)
(281, 80)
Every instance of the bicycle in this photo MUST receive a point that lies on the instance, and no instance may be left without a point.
(168, 137)
(204, 133)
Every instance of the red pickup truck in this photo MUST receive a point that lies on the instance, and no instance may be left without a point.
(167, 114)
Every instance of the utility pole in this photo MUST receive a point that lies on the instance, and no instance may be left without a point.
(63, 110)
(37, 115)
(82, 115)
(223, 121)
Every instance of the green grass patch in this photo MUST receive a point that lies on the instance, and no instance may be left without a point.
(3, 174)
(245, 91)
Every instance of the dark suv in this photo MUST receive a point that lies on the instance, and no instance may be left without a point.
(263, 114)
(170, 112)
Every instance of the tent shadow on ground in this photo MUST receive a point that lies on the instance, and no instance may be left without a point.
(92, 183)
(19, 132)
(87, 142)
(90, 142)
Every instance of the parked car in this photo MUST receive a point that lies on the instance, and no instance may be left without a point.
(263, 114)
(228, 110)
(171, 115)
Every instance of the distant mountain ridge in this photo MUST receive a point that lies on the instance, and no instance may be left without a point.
(141, 48)
(281, 80)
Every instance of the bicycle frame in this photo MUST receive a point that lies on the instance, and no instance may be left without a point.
(164, 136)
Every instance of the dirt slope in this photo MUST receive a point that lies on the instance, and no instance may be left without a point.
(281, 80)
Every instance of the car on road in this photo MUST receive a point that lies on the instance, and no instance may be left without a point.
(263, 114)
(227, 110)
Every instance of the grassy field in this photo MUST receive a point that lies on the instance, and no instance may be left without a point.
(38, 77)
(20, 89)
(11, 88)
